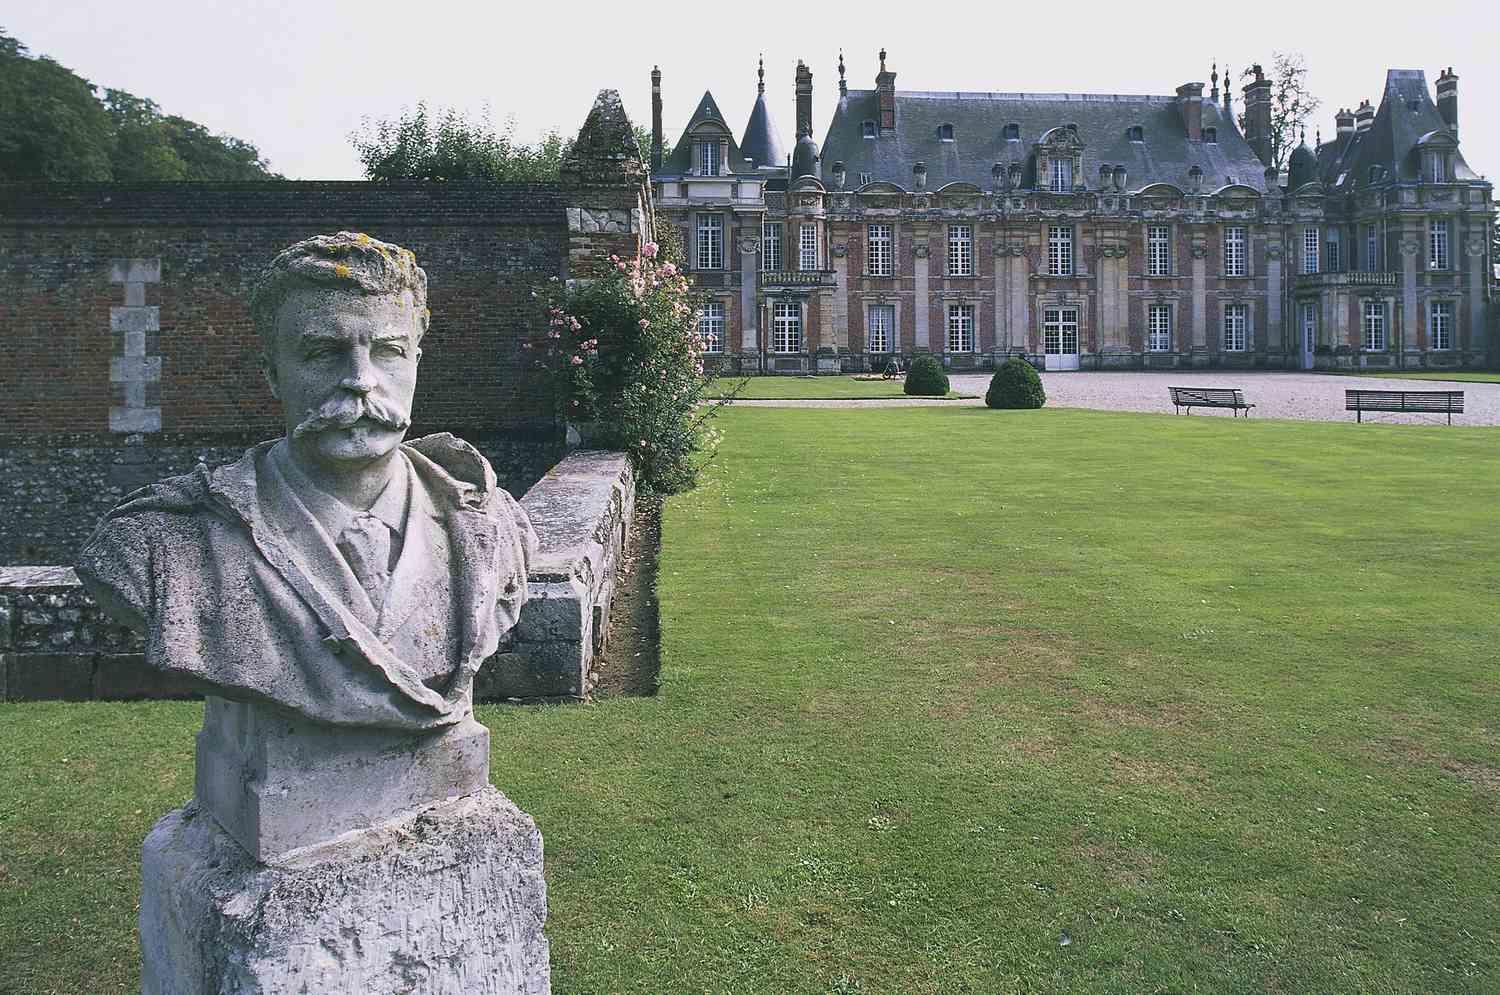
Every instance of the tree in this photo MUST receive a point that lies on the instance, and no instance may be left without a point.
(1291, 104)
(444, 144)
(53, 126)
(643, 139)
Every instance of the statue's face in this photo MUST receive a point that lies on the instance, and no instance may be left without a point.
(345, 369)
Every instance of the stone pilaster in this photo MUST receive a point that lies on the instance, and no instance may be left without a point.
(132, 370)
(923, 300)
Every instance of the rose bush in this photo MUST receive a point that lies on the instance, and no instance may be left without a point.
(623, 356)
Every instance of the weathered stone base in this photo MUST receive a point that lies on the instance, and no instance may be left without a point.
(447, 902)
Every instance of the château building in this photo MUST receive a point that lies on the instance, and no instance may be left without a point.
(1081, 231)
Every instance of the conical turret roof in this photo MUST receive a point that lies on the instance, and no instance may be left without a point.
(761, 142)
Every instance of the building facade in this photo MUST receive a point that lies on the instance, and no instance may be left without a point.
(1083, 231)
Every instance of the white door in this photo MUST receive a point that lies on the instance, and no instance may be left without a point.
(1060, 338)
(1309, 334)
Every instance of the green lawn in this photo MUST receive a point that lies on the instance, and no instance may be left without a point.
(1456, 376)
(1215, 702)
(830, 388)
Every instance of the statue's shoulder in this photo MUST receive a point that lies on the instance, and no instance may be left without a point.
(464, 466)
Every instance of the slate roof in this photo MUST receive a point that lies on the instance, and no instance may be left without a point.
(680, 162)
(760, 142)
(1406, 114)
(978, 119)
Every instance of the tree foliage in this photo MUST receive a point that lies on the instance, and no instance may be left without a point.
(445, 144)
(1292, 103)
(643, 139)
(54, 126)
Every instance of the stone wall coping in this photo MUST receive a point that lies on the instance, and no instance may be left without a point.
(573, 508)
(37, 578)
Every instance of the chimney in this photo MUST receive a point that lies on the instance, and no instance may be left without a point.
(655, 119)
(1258, 115)
(804, 99)
(1364, 117)
(885, 87)
(1447, 99)
(1344, 122)
(1190, 102)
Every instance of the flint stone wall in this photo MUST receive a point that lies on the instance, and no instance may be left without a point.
(57, 643)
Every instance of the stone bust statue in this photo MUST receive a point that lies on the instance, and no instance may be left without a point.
(339, 572)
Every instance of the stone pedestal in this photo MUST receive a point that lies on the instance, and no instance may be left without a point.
(449, 901)
(276, 782)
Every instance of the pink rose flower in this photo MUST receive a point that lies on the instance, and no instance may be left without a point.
(577, 360)
(649, 250)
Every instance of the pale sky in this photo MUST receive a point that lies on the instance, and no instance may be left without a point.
(296, 78)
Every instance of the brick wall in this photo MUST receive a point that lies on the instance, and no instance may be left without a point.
(483, 247)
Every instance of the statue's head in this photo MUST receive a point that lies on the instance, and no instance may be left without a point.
(340, 319)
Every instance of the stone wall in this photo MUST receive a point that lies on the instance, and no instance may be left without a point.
(56, 643)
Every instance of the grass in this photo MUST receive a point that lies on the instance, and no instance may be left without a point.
(1214, 702)
(829, 388)
(1455, 376)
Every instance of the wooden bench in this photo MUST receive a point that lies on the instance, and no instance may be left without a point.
(1210, 397)
(1442, 402)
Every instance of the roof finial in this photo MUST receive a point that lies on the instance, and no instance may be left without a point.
(1318, 138)
(1214, 93)
(1228, 92)
(882, 60)
(843, 86)
(761, 72)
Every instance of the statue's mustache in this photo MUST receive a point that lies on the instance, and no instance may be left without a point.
(344, 409)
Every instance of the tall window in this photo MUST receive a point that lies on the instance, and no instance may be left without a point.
(1158, 250)
(1236, 320)
(770, 245)
(1437, 244)
(1234, 251)
(1159, 328)
(807, 247)
(960, 328)
(1060, 250)
(1309, 326)
(1062, 175)
(1374, 326)
(1372, 249)
(882, 327)
(1309, 249)
(710, 241)
(708, 158)
(879, 259)
(711, 326)
(960, 250)
(1437, 168)
(1332, 257)
(786, 327)
(1440, 325)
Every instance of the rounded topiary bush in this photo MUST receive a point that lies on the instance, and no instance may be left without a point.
(1015, 385)
(926, 378)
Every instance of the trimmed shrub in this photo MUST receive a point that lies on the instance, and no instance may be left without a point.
(926, 378)
(1015, 385)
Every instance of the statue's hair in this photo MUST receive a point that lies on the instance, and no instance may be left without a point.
(349, 261)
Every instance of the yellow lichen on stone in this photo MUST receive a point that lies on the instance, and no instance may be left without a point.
(341, 270)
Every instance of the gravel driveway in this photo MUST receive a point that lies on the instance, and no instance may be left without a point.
(1305, 396)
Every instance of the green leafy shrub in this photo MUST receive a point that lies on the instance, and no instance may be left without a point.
(623, 356)
(1015, 385)
(926, 378)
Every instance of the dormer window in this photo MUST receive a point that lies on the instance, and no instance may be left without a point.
(1135, 133)
(1211, 135)
(867, 128)
(1437, 167)
(708, 158)
(945, 132)
(1012, 133)
(1062, 176)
